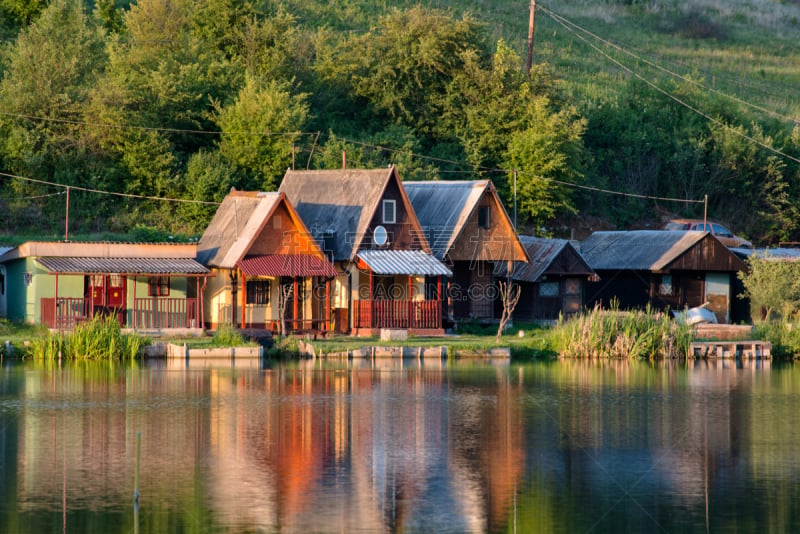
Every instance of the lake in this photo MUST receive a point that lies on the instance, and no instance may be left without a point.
(401, 446)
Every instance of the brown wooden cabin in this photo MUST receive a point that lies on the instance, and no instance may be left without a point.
(386, 274)
(552, 283)
(469, 230)
(667, 269)
(266, 264)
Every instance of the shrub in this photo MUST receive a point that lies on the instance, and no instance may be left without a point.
(227, 336)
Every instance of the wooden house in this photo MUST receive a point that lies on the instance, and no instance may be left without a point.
(269, 270)
(144, 285)
(386, 274)
(468, 230)
(552, 282)
(667, 269)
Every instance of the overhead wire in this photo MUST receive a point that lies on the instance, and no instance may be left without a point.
(561, 18)
(669, 95)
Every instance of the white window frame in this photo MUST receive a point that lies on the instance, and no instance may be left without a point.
(387, 205)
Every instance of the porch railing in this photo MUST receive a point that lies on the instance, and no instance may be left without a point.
(64, 313)
(165, 313)
(398, 314)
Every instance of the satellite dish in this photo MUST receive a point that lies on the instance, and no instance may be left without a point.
(380, 236)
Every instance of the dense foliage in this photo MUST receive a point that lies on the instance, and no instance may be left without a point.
(184, 99)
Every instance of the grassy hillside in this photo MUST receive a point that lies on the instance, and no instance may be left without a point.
(674, 100)
(736, 61)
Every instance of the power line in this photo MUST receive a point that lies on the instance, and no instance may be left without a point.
(561, 19)
(113, 193)
(673, 97)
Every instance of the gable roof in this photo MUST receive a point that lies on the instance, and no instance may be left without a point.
(542, 253)
(236, 225)
(641, 250)
(343, 201)
(443, 208)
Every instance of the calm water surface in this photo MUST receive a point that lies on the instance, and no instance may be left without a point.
(561, 446)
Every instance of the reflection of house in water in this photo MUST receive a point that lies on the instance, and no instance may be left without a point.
(285, 449)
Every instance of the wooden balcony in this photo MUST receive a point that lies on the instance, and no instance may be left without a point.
(405, 314)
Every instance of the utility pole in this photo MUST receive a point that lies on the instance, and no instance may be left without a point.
(530, 37)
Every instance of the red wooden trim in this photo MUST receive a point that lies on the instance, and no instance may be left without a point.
(243, 296)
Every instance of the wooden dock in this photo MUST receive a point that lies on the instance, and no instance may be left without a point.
(748, 349)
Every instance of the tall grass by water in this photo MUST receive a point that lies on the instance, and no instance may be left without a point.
(100, 338)
(612, 333)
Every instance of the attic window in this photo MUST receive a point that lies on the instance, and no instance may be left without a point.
(484, 216)
(389, 212)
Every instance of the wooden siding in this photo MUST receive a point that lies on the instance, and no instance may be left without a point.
(497, 243)
(404, 234)
(707, 255)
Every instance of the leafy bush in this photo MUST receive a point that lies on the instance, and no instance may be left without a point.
(227, 336)
(785, 337)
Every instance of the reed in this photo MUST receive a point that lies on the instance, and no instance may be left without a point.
(97, 339)
(641, 334)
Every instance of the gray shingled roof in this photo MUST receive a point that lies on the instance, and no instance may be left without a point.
(341, 201)
(443, 207)
(641, 250)
(234, 226)
(541, 252)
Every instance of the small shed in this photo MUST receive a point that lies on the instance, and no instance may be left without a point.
(666, 269)
(552, 283)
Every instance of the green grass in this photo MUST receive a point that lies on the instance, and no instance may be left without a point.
(97, 339)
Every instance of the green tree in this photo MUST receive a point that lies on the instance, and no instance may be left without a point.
(259, 129)
(548, 152)
(50, 69)
(772, 284)
(208, 178)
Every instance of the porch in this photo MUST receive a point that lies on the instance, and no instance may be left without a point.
(405, 314)
(65, 313)
(401, 292)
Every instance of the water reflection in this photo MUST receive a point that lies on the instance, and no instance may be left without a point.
(401, 447)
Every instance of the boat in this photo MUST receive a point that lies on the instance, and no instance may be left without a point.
(696, 315)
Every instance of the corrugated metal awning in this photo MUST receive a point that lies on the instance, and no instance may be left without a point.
(159, 266)
(412, 262)
(294, 265)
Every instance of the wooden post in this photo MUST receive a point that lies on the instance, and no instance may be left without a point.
(369, 302)
(410, 304)
(55, 305)
(328, 305)
(294, 303)
(66, 226)
(244, 298)
(439, 296)
(530, 36)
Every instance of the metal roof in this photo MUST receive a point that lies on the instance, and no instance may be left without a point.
(542, 253)
(411, 262)
(443, 207)
(641, 250)
(122, 265)
(774, 254)
(296, 265)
